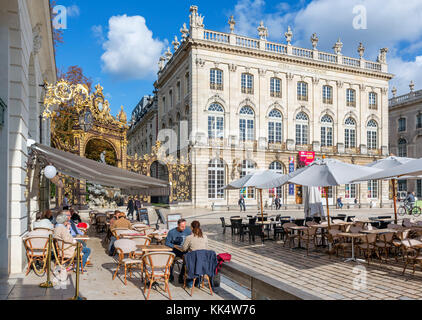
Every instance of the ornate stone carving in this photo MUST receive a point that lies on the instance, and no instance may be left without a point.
(196, 20)
(361, 50)
(161, 63)
(383, 90)
(262, 72)
(382, 58)
(232, 67)
(340, 84)
(362, 87)
(168, 54)
(175, 43)
(290, 76)
(232, 24)
(338, 46)
(200, 62)
(394, 92)
(289, 35)
(315, 80)
(37, 38)
(185, 32)
(314, 41)
(262, 31)
(412, 86)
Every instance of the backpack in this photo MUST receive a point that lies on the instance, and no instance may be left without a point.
(221, 258)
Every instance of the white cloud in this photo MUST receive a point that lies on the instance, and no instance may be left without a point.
(98, 33)
(73, 11)
(131, 52)
(406, 71)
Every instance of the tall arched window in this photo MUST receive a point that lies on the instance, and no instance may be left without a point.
(247, 124)
(302, 125)
(215, 121)
(373, 100)
(372, 128)
(350, 133)
(327, 94)
(216, 174)
(402, 146)
(247, 167)
(278, 168)
(275, 127)
(326, 131)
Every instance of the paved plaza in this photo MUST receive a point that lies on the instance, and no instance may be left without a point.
(315, 274)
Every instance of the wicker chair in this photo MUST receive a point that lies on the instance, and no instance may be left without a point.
(126, 250)
(36, 250)
(64, 258)
(385, 244)
(100, 223)
(309, 235)
(157, 268)
(140, 241)
(288, 235)
(368, 246)
(412, 255)
(400, 236)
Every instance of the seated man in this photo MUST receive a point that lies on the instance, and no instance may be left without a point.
(176, 237)
(120, 223)
(42, 222)
(62, 232)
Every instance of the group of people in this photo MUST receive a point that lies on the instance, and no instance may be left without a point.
(134, 205)
(184, 239)
(118, 221)
(65, 227)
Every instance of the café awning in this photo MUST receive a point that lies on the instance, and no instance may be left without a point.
(99, 173)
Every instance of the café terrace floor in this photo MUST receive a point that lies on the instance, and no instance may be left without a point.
(315, 274)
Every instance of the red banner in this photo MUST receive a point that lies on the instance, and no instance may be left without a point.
(306, 157)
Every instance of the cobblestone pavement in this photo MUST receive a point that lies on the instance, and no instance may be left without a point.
(317, 274)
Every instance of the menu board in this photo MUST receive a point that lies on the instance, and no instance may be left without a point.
(172, 221)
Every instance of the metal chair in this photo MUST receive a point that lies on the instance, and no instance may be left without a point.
(224, 225)
(126, 250)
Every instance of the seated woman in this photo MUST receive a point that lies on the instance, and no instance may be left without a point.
(42, 221)
(62, 232)
(75, 217)
(197, 240)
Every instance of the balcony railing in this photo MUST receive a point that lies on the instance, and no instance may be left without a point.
(327, 100)
(275, 94)
(412, 96)
(216, 86)
(302, 98)
(247, 90)
(351, 103)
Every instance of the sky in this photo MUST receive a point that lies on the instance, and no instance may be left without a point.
(118, 43)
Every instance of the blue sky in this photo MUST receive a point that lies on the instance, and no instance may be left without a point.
(118, 43)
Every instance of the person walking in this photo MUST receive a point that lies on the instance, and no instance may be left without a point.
(137, 207)
(242, 203)
(66, 202)
(277, 203)
(130, 208)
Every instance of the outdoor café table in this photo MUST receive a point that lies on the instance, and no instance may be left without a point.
(298, 230)
(379, 231)
(353, 236)
(154, 248)
(268, 225)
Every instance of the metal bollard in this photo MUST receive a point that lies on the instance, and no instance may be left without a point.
(78, 263)
(48, 283)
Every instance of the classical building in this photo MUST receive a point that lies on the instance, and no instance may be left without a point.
(27, 60)
(248, 103)
(143, 130)
(405, 136)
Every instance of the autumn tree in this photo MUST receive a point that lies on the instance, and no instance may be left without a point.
(75, 75)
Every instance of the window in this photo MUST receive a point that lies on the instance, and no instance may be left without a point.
(350, 133)
(164, 105)
(216, 174)
(216, 79)
(372, 135)
(350, 191)
(326, 131)
(402, 148)
(216, 121)
(278, 168)
(419, 188)
(372, 189)
(351, 98)
(187, 83)
(275, 127)
(171, 99)
(179, 92)
(402, 124)
(247, 83)
(330, 192)
(247, 167)
(419, 121)
(275, 87)
(302, 124)
(373, 101)
(327, 95)
(302, 91)
(402, 185)
(247, 124)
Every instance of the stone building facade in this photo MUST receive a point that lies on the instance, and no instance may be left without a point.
(143, 130)
(405, 135)
(248, 103)
(26, 60)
